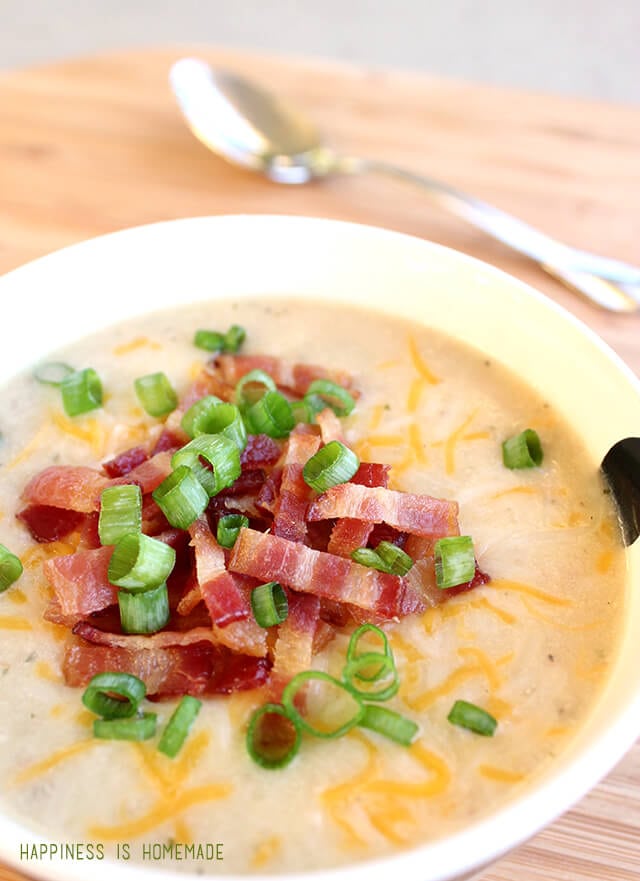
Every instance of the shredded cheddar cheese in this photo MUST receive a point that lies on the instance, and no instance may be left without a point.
(36, 443)
(377, 414)
(138, 342)
(266, 852)
(517, 490)
(416, 443)
(420, 364)
(10, 622)
(45, 671)
(534, 592)
(416, 389)
(500, 775)
(17, 597)
(32, 772)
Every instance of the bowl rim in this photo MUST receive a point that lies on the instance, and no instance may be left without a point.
(470, 849)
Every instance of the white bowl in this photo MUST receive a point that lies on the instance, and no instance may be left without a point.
(59, 298)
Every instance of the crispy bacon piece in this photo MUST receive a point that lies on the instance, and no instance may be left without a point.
(294, 496)
(260, 452)
(350, 534)
(225, 595)
(125, 462)
(46, 523)
(208, 382)
(271, 558)
(294, 646)
(148, 475)
(330, 426)
(268, 495)
(168, 662)
(422, 575)
(372, 474)
(80, 583)
(73, 487)
(295, 378)
(169, 440)
(407, 512)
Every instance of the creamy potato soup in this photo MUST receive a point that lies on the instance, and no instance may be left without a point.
(530, 648)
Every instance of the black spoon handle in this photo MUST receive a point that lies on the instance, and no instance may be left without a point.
(621, 468)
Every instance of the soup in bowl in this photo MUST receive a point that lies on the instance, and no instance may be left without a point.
(308, 563)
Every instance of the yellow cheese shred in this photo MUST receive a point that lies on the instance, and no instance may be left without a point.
(500, 775)
(560, 625)
(162, 812)
(35, 556)
(377, 414)
(416, 443)
(485, 604)
(45, 671)
(410, 652)
(138, 342)
(36, 443)
(17, 597)
(266, 851)
(419, 363)
(11, 622)
(91, 431)
(534, 592)
(416, 389)
(452, 441)
(32, 772)
(517, 490)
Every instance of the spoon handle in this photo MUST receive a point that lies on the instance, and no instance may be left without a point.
(611, 284)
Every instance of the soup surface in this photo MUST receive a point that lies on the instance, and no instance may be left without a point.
(532, 647)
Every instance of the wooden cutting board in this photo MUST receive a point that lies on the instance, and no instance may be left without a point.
(95, 145)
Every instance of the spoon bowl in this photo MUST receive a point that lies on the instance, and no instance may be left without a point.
(247, 125)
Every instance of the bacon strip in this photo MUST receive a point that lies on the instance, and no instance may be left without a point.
(349, 534)
(125, 462)
(66, 486)
(271, 558)
(225, 596)
(422, 575)
(208, 382)
(330, 426)
(46, 523)
(294, 646)
(293, 377)
(148, 475)
(417, 514)
(260, 451)
(292, 502)
(80, 583)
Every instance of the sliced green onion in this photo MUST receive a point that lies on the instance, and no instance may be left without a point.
(334, 396)
(10, 568)
(216, 418)
(390, 724)
(98, 695)
(269, 604)
(228, 528)
(473, 718)
(234, 338)
(146, 611)
(302, 412)
(179, 725)
(120, 512)
(273, 737)
(336, 713)
(81, 392)
(331, 465)
(378, 670)
(369, 557)
(141, 728)
(253, 378)
(454, 560)
(156, 394)
(220, 452)
(181, 497)
(52, 373)
(394, 558)
(271, 415)
(523, 451)
(195, 419)
(140, 562)
(315, 404)
(359, 634)
(209, 340)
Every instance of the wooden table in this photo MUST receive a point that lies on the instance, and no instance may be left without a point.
(95, 145)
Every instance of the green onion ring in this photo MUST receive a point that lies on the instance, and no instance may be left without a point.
(293, 687)
(139, 728)
(179, 725)
(332, 464)
(335, 396)
(97, 695)
(52, 373)
(386, 669)
(269, 604)
(390, 724)
(259, 751)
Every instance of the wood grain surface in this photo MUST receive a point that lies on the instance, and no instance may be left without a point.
(95, 145)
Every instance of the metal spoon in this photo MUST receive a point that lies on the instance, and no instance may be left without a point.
(251, 127)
